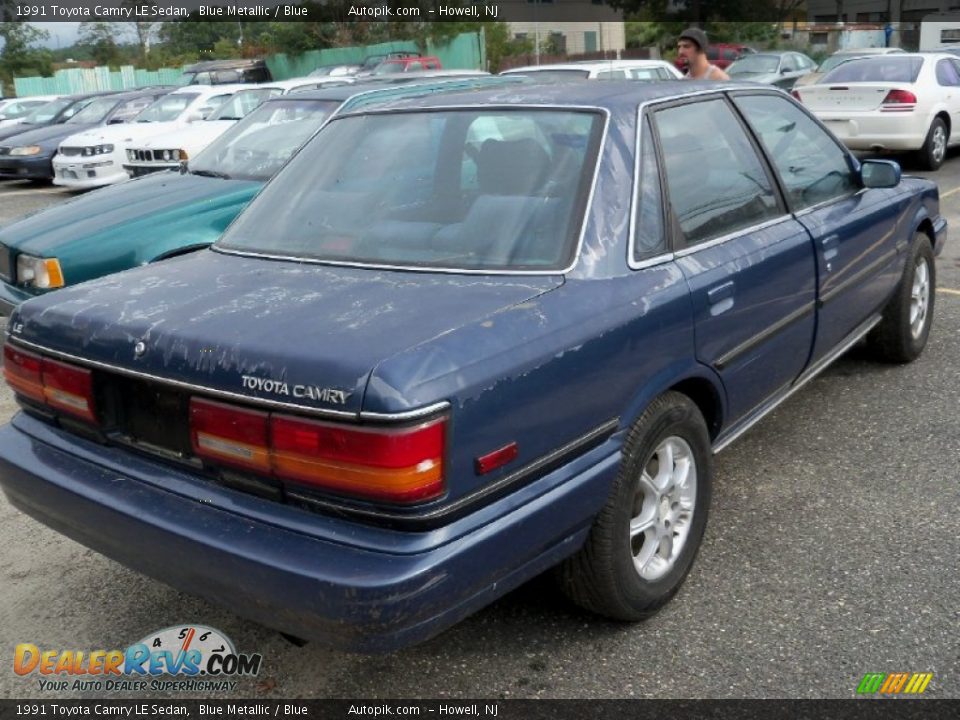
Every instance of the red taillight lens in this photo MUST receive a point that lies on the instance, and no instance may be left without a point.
(229, 435)
(23, 372)
(68, 388)
(898, 100)
(404, 465)
(401, 465)
(796, 94)
(60, 385)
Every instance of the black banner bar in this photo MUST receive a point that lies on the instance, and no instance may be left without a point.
(854, 709)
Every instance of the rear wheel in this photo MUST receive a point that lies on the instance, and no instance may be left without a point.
(902, 333)
(934, 150)
(643, 542)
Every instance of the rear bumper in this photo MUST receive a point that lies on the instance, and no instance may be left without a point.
(868, 131)
(347, 585)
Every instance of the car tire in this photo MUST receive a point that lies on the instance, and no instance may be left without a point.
(643, 542)
(902, 333)
(934, 150)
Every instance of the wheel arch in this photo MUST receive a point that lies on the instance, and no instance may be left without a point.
(697, 382)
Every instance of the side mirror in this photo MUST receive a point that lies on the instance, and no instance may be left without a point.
(880, 173)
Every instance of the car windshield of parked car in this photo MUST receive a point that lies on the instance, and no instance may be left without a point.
(885, 68)
(470, 190)
(167, 108)
(256, 147)
(240, 105)
(755, 64)
(47, 112)
(93, 113)
(555, 74)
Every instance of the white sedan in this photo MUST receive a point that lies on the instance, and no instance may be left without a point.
(907, 101)
(169, 149)
(601, 70)
(95, 157)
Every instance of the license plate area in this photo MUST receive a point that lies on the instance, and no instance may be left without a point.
(146, 414)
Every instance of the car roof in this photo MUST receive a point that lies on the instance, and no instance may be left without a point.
(587, 65)
(870, 51)
(347, 91)
(208, 65)
(616, 96)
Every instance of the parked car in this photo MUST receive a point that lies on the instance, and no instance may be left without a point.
(50, 113)
(95, 157)
(782, 69)
(335, 71)
(30, 154)
(226, 72)
(897, 102)
(167, 150)
(601, 69)
(394, 65)
(370, 63)
(842, 56)
(172, 213)
(404, 380)
(13, 110)
(720, 54)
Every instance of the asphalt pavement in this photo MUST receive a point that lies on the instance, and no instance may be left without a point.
(832, 550)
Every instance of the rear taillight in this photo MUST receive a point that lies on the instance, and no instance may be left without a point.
(796, 94)
(69, 389)
(229, 435)
(898, 101)
(23, 372)
(397, 465)
(60, 385)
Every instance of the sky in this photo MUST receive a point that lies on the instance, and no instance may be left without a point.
(64, 33)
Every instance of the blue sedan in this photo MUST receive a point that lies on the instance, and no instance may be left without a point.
(460, 340)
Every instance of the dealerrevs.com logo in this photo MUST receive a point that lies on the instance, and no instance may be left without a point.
(187, 651)
(899, 683)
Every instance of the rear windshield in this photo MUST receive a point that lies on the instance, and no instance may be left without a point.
(257, 146)
(885, 68)
(167, 108)
(457, 189)
(240, 105)
(755, 64)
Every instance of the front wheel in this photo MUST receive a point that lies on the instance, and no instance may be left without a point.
(643, 542)
(902, 333)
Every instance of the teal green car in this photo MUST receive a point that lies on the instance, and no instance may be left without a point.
(171, 213)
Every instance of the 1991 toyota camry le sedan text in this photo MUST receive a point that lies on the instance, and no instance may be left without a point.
(460, 340)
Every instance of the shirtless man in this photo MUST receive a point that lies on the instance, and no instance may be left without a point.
(692, 45)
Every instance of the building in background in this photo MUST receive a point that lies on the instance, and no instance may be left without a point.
(565, 27)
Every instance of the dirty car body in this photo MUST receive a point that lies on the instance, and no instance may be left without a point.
(458, 341)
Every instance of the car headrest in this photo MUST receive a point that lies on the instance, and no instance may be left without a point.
(512, 167)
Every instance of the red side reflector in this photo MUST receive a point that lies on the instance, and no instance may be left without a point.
(498, 458)
(796, 94)
(22, 371)
(229, 435)
(69, 388)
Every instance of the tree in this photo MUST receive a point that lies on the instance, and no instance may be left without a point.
(143, 32)
(20, 56)
(99, 40)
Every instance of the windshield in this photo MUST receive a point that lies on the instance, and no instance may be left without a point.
(555, 74)
(755, 64)
(95, 112)
(240, 105)
(506, 192)
(46, 113)
(884, 68)
(167, 108)
(256, 147)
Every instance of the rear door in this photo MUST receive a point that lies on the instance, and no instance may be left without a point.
(748, 263)
(854, 229)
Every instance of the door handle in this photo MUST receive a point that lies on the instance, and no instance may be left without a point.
(721, 297)
(830, 246)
